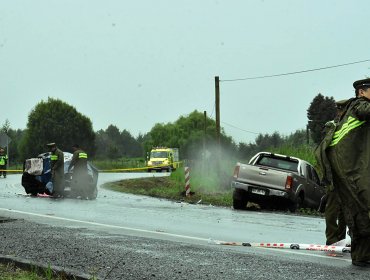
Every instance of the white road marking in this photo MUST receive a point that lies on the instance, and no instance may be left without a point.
(103, 225)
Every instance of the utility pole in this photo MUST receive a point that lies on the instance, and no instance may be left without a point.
(204, 154)
(205, 131)
(217, 91)
(308, 134)
(218, 129)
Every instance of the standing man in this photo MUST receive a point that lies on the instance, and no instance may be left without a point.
(334, 216)
(3, 162)
(57, 169)
(347, 160)
(79, 182)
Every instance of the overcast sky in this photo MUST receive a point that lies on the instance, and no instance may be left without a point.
(137, 63)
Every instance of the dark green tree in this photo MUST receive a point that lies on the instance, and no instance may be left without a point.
(56, 121)
(246, 150)
(297, 138)
(322, 109)
(6, 126)
(263, 141)
(113, 152)
(267, 142)
(113, 134)
(188, 133)
(111, 143)
(102, 144)
(15, 137)
(13, 152)
(131, 147)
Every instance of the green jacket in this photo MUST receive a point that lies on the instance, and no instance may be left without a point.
(57, 162)
(323, 164)
(79, 161)
(351, 138)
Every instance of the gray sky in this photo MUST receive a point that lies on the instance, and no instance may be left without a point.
(137, 63)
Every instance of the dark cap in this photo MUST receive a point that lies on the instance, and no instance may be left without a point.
(75, 146)
(362, 83)
(51, 144)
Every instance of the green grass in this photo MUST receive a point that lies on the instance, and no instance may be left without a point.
(121, 163)
(205, 186)
(11, 272)
(206, 189)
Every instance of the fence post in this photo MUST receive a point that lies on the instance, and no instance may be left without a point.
(187, 180)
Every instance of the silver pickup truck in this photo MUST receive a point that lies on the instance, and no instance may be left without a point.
(276, 181)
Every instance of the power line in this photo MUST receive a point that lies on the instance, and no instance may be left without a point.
(296, 72)
(248, 131)
(240, 128)
(213, 109)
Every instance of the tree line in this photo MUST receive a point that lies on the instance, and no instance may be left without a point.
(56, 121)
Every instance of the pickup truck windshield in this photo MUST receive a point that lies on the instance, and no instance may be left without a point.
(281, 163)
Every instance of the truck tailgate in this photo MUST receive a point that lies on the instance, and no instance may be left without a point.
(262, 176)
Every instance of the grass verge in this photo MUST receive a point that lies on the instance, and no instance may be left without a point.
(11, 272)
(208, 190)
(170, 188)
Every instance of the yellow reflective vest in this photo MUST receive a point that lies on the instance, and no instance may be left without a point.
(3, 159)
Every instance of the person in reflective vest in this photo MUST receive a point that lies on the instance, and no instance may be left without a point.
(334, 216)
(3, 162)
(347, 160)
(78, 166)
(57, 169)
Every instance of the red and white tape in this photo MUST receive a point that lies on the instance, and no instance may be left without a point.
(294, 246)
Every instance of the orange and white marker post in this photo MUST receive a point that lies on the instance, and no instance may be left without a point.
(187, 181)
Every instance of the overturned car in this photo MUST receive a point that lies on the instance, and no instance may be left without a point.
(36, 178)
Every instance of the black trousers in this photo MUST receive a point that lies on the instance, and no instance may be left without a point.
(3, 167)
(354, 196)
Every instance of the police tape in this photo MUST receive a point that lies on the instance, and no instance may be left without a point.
(11, 170)
(123, 169)
(147, 168)
(105, 170)
(293, 246)
(154, 167)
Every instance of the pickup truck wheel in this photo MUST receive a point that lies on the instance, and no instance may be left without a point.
(296, 205)
(300, 202)
(239, 200)
(239, 204)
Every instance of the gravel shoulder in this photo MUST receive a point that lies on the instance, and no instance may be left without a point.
(88, 254)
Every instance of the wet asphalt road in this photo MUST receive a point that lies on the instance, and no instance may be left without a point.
(121, 236)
